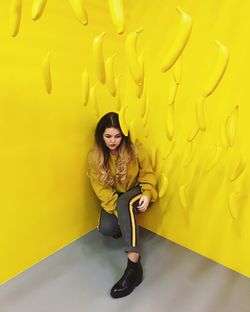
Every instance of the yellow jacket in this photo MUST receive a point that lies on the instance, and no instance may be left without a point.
(140, 172)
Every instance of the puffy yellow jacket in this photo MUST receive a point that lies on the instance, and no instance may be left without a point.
(140, 172)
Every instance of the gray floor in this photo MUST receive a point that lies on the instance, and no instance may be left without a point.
(79, 277)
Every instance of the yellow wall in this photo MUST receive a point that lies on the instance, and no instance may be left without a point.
(215, 221)
(45, 202)
(45, 195)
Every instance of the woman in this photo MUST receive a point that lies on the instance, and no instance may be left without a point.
(122, 177)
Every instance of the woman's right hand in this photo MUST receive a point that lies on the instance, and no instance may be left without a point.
(143, 203)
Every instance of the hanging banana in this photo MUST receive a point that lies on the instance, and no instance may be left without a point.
(180, 41)
(219, 70)
(231, 126)
(169, 151)
(116, 8)
(215, 159)
(177, 71)
(153, 156)
(143, 102)
(132, 57)
(183, 196)
(223, 134)
(118, 103)
(163, 185)
(79, 11)
(47, 73)
(15, 16)
(110, 75)
(122, 120)
(37, 8)
(190, 155)
(193, 133)
(172, 92)
(232, 204)
(85, 87)
(93, 100)
(132, 131)
(239, 168)
(98, 57)
(139, 88)
(170, 122)
(200, 113)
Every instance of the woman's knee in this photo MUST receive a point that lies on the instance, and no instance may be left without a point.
(107, 228)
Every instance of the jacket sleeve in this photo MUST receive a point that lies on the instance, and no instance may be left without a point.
(106, 194)
(146, 179)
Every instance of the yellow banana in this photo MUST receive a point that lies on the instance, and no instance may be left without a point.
(118, 96)
(143, 102)
(232, 204)
(79, 11)
(163, 186)
(98, 57)
(146, 115)
(231, 126)
(223, 134)
(132, 57)
(177, 71)
(146, 132)
(219, 70)
(15, 16)
(37, 8)
(200, 113)
(132, 131)
(85, 87)
(139, 88)
(153, 156)
(190, 155)
(110, 75)
(183, 196)
(215, 159)
(170, 150)
(180, 41)
(172, 92)
(145, 120)
(170, 122)
(93, 100)
(122, 120)
(239, 168)
(193, 133)
(116, 8)
(47, 73)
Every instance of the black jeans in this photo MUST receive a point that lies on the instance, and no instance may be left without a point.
(126, 222)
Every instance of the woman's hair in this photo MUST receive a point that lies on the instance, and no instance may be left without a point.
(100, 154)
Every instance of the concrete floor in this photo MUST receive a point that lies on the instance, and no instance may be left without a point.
(79, 277)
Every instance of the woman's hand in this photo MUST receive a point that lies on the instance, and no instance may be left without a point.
(143, 203)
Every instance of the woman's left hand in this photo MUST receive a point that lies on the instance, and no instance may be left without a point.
(143, 203)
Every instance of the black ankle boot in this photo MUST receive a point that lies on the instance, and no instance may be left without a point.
(131, 278)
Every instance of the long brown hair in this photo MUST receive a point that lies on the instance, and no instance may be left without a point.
(100, 154)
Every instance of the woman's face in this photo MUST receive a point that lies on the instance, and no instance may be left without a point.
(112, 138)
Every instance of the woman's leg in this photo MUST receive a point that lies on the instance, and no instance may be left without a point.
(132, 277)
(108, 224)
(126, 208)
